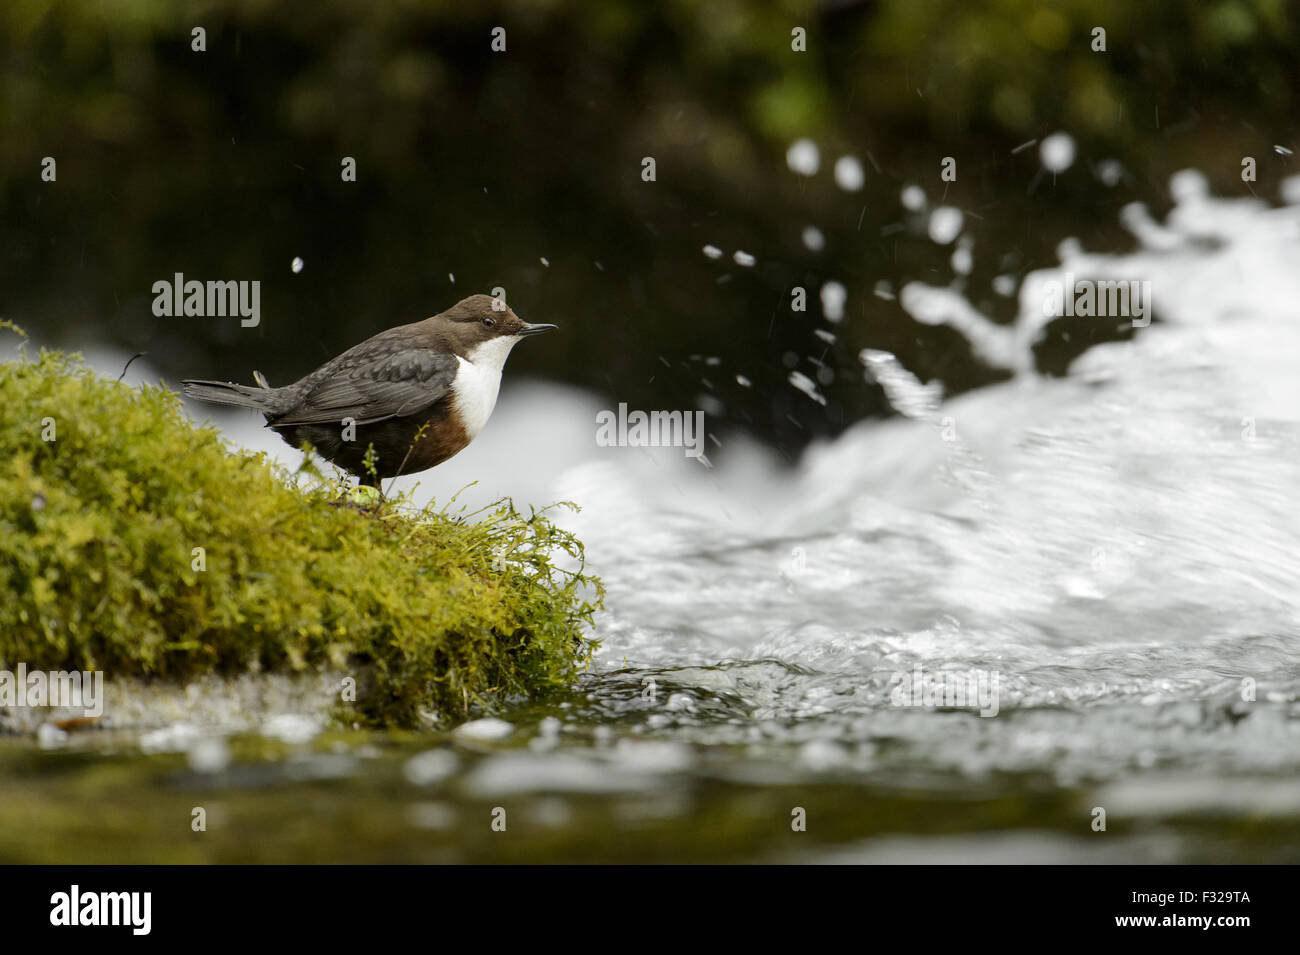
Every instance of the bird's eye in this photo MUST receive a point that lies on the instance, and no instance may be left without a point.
(489, 322)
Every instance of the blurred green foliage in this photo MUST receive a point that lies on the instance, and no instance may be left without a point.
(477, 164)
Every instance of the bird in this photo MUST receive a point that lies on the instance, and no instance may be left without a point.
(402, 401)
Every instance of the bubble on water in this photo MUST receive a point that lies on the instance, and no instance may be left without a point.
(803, 157)
(743, 381)
(292, 728)
(652, 756)
(1110, 172)
(823, 755)
(813, 238)
(848, 174)
(712, 252)
(488, 728)
(209, 755)
(430, 815)
(173, 738)
(945, 224)
(1057, 152)
(833, 296)
(913, 198)
(431, 766)
(807, 386)
(744, 259)
(49, 736)
(296, 264)
(1005, 285)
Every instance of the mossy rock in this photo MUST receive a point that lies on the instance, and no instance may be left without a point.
(107, 491)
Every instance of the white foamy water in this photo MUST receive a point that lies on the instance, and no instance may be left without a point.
(1120, 547)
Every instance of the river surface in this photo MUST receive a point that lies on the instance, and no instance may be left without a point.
(1106, 565)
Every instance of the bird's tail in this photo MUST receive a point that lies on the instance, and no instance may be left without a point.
(228, 393)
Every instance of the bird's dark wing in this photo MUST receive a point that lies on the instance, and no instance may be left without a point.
(383, 387)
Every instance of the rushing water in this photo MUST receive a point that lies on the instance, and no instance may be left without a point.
(1114, 553)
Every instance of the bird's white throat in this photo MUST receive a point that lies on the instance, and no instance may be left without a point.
(478, 380)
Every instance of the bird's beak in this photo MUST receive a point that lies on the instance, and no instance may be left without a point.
(534, 329)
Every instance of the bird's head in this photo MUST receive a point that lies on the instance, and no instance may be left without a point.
(482, 329)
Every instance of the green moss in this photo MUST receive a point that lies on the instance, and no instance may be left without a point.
(430, 611)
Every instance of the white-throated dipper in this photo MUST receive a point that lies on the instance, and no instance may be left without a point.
(417, 393)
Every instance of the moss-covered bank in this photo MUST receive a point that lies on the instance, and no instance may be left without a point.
(136, 543)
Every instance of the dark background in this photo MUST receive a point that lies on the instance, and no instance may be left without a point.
(225, 164)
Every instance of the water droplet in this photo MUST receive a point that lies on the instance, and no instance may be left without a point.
(805, 384)
(744, 258)
(1291, 190)
(712, 252)
(803, 157)
(945, 224)
(833, 296)
(962, 260)
(848, 174)
(913, 198)
(296, 264)
(1110, 172)
(1057, 152)
(813, 238)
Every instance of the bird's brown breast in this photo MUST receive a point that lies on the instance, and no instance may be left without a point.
(438, 438)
